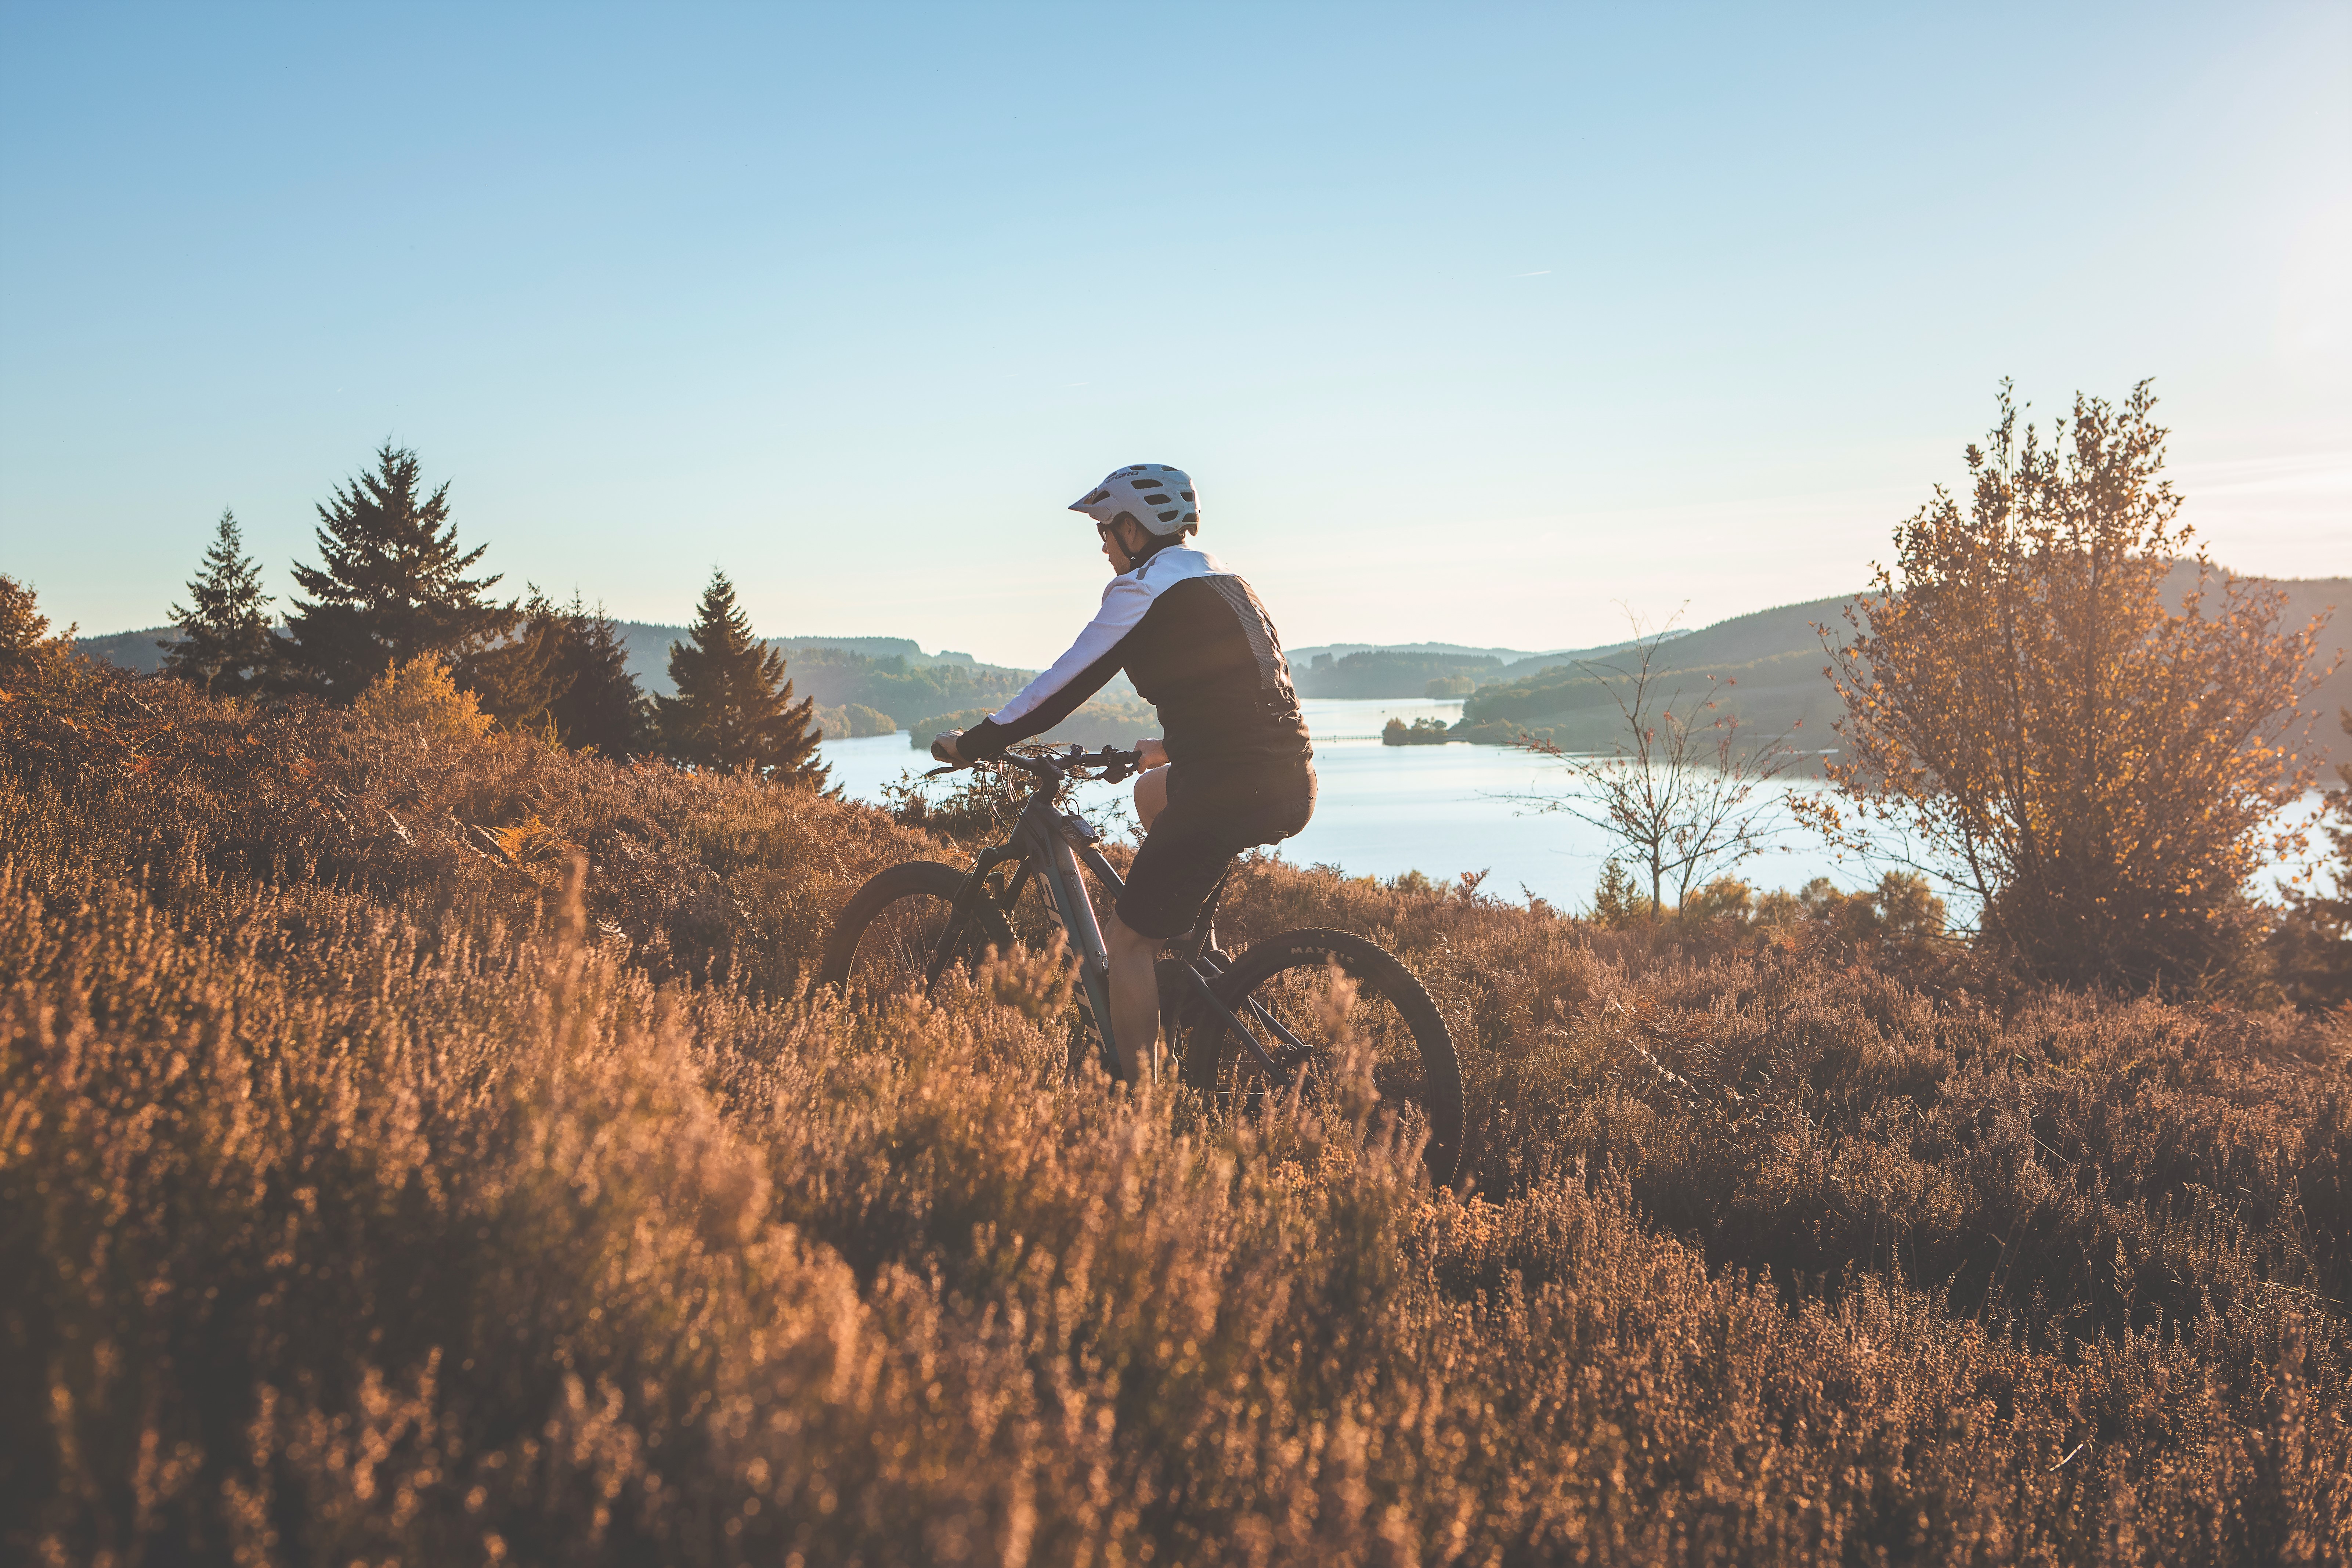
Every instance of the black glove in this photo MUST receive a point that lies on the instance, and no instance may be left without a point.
(982, 740)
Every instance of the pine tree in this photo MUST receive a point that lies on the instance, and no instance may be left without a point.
(601, 706)
(519, 681)
(734, 707)
(225, 644)
(392, 585)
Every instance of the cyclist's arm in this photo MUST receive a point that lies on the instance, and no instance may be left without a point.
(1085, 669)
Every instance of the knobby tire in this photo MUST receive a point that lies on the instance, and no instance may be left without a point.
(1284, 973)
(906, 901)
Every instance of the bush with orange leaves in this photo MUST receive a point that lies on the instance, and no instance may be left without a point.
(419, 692)
(2099, 772)
(373, 1189)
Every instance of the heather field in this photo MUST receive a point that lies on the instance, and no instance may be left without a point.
(430, 1151)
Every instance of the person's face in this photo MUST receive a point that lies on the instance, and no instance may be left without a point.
(1119, 544)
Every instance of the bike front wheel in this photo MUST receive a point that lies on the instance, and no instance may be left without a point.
(1412, 1062)
(889, 931)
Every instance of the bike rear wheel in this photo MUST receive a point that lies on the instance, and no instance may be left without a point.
(885, 937)
(1412, 1061)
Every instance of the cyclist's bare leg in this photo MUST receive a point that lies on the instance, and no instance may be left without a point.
(1134, 998)
(1151, 794)
(1134, 958)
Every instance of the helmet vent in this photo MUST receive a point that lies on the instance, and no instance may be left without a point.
(1169, 516)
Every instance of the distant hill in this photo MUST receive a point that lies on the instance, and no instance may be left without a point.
(1776, 658)
(647, 644)
(648, 647)
(131, 650)
(1405, 657)
(2307, 598)
(1406, 669)
(1392, 672)
(1305, 657)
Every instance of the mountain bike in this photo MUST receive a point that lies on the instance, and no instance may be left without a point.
(1246, 1028)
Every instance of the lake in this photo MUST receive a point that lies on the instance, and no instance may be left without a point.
(1442, 810)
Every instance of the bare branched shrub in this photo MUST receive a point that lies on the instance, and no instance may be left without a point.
(1684, 793)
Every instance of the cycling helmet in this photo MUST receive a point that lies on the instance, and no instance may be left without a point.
(1155, 495)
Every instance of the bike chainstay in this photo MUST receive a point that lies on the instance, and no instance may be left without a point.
(1279, 1064)
(1295, 1051)
(1212, 962)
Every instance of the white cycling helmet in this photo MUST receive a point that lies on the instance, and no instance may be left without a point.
(1155, 495)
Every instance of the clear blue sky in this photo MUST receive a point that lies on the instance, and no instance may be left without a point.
(1471, 322)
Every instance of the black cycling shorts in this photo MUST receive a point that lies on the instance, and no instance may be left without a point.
(1215, 810)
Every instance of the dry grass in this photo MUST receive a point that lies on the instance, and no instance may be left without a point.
(365, 1195)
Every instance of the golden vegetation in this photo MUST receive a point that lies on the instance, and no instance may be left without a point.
(379, 1182)
(419, 693)
(2102, 771)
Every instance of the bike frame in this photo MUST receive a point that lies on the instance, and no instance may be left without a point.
(1054, 844)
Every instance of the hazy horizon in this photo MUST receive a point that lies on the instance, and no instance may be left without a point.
(1472, 324)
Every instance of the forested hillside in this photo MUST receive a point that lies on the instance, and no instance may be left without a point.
(1406, 669)
(1767, 664)
(890, 675)
(1767, 668)
(140, 651)
(648, 647)
(1382, 672)
(1774, 657)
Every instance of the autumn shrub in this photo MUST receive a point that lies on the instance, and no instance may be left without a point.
(700, 873)
(2097, 758)
(420, 694)
(423, 1152)
(29, 650)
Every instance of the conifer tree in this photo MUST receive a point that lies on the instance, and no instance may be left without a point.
(225, 644)
(519, 681)
(601, 706)
(392, 585)
(734, 707)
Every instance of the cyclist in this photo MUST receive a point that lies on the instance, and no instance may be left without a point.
(1234, 768)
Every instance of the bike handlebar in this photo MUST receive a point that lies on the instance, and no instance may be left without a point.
(1054, 767)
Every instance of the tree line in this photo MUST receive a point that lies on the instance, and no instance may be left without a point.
(392, 608)
(1385, 672)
